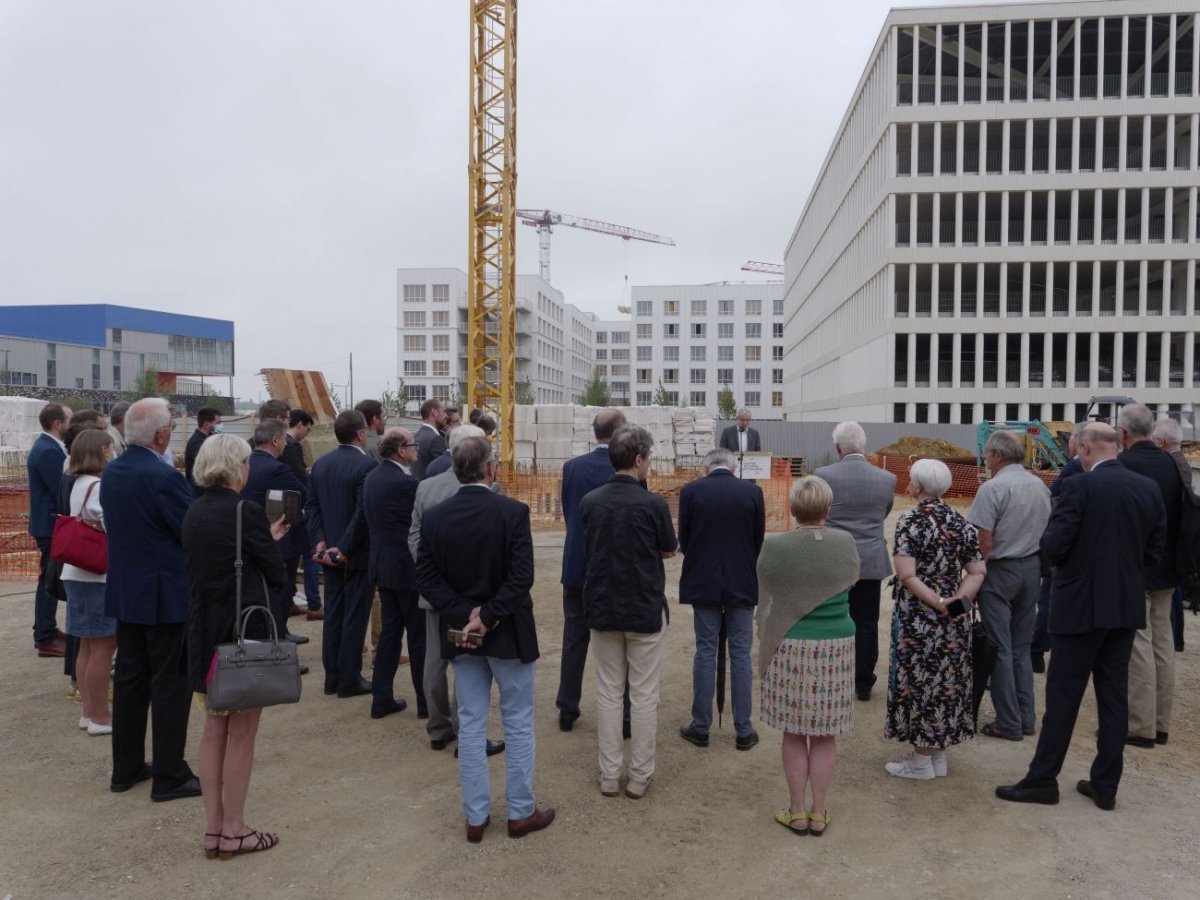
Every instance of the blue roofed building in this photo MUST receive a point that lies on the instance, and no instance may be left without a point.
(102, 347)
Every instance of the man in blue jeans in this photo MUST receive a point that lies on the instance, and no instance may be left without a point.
(721, 523)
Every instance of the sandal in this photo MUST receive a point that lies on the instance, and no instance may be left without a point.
(211, 852)
(818, 818)
(788, 820)
(261, 841)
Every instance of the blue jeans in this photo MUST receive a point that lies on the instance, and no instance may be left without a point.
(473, 687)
(312, 581)
(740, 628)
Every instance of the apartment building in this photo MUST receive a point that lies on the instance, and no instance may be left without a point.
(1006, 222)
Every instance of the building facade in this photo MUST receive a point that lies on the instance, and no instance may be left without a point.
(101, 347)
(1006, 223)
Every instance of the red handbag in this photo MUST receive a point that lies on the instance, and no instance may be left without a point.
(80, 542)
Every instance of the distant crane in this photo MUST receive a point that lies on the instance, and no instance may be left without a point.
(544, 221)
(768, 268)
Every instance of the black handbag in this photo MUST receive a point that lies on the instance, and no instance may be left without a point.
(983, 659)
(252, 674)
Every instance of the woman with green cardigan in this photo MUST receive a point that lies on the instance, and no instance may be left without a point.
(806, 649)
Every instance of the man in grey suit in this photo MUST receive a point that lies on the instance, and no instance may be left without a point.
(741, 438)
(442, 727)
(862, 499)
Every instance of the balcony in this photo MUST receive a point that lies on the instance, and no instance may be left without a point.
(1183, 84)
(1065, 87)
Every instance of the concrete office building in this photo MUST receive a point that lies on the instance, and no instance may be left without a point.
(1006, 222)
(614, 355)
(554, 339)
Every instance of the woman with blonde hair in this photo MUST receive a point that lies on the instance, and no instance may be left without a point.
(210, 551)
(806, 649)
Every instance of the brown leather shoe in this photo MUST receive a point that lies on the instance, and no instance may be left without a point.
(53, 647)
(475, 832)
(540, 819)
(315, 615)
(296, 611)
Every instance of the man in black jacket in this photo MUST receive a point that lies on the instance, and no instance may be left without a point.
(1152, 665)
(475, 567)
(208, 421)
(1107, 530)
(300, 424)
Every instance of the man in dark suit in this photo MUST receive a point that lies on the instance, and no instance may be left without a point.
(338, 531)
(376, 417)
(1108, 528)
(475, 566)
(147, 592)
(269, 473)
(721, 524)
(300, 424)
(208, 421)
(1152, 665)
(388, 495)
(431, 443)
(741, 438)
(580, 475)
(1168, 436)
(45, 468)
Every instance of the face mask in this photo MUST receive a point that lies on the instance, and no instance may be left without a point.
(218, 428)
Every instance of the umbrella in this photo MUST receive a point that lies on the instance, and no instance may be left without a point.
(722, 640)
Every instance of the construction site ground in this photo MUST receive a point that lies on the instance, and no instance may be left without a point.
(366, 810)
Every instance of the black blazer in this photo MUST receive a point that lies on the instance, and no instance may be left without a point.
(190, 452)
(431, 444)
(729, 439)
(333, 507)
(293, 457)
(270, 474)
(476, 550)
(1156, 464)
(209, 552)
(388, 495)
(1106, 530)
(721, 523)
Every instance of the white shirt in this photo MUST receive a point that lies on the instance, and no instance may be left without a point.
(743, 437)
(405, 469)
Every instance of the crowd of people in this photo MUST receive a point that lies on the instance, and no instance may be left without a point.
(412, 525)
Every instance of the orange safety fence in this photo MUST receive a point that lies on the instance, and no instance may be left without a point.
(19, 556)
(965, 477)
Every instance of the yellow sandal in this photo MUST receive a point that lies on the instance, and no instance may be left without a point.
(823, 819)
(788, 820)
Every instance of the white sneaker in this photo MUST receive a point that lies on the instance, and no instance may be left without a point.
(299, 599)
(95, 728)
(84, 722)
(914, 766)
(940, 769)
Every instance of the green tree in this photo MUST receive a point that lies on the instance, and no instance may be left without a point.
(73, 402)
(726, 404)
(396, 402)
(525, 396)
(660, 395)
(145, 385)
(458, 396)
(596, 393)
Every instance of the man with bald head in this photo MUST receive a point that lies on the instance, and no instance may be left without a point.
(388, 495)
(1108, 529)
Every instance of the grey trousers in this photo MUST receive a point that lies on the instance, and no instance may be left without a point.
(1008, 607)
(443, 713)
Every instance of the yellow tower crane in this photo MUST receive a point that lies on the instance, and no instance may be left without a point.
(492, 170)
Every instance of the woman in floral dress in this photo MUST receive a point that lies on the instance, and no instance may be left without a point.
(929, 685)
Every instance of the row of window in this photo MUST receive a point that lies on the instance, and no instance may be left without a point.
(697, 353)
(750, 399)
(416, 319)
(990, 412)
(618, 337)
(671, 308)
(415, 293)
(415, 368)
(699, 330)
(702, 376)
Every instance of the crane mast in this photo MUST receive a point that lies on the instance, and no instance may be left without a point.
(492, 172)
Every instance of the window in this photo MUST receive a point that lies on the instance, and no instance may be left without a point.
(699, 353)
(441, 392)
(670, 307)
(620, 337)
(672, 398)
(670, 354)
(725, 331)
(441, 343)
(645, 376)
(777, 354)
(621, 371)
(777, 330)
(414, 368)
(414, 319)
(602, 354)
(699, 307)
(699, 398)
(441, 293)
(620, 354)
(601, 337)
(777, 376)
(777, 306)
(644, 308)
(416, 394)
(95, 370)
(725, 353)
(752, 352)
(671, 330)
(724, 307)
(645, 353)
(117, 336)
(777, 398)
(414, 293)
(670, 376)
(753, 331)
(441, 318)
(699, 376)
(51, 373)
(699, 330)
(415, 343)
(754, 376)
(754, 307)
(440, 368)
(643, 398)
(753, 399)
(602, 371)
(724, 376)
(645, 332)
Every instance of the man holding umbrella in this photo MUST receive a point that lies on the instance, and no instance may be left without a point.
(721, 523)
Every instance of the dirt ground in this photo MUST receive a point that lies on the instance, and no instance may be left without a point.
(366, 810)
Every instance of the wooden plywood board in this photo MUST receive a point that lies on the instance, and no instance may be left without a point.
(302, 389)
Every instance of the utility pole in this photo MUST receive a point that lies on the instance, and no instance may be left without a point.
(350, 387)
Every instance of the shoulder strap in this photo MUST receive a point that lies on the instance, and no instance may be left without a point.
(237, 574)
(91, 523)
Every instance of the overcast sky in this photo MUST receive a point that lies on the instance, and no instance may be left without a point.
(274, 161)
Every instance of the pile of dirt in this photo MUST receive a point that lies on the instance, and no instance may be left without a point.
(927, 448)
(1191, 450)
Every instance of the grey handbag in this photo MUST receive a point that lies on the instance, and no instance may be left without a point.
(252, 674)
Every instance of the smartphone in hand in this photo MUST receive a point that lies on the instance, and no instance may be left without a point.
(957, 607)
(456, 637)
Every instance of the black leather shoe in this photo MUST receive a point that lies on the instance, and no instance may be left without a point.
(1024, 793)
(442, 743)
(296, 638)
(492, 748)
(864, 696)
(747, 741)
(692, 736)
(189, 788)
(566, 721)
(355, 690)
(330, 691)
(422, 713)
(1160, 737)
(143, 774)
(1106, 802)
(304, 670)
(1134, 741)
(381, 708)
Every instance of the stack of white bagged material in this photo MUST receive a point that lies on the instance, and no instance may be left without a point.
(19, 428)
(693, 431)
(555, 429)
(525, 426)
